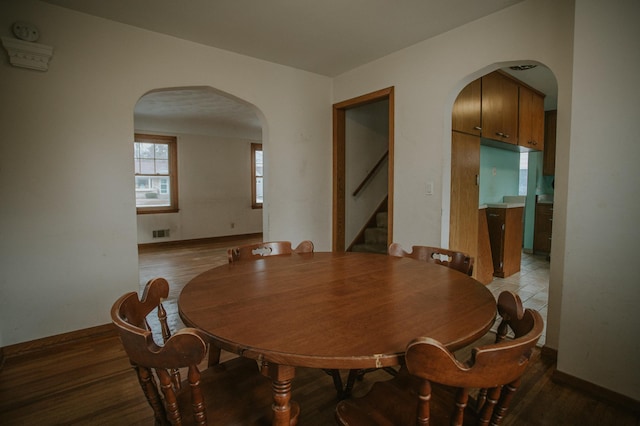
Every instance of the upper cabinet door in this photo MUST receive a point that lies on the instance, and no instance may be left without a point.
(466, 109)
(500, 108)
(531, 122)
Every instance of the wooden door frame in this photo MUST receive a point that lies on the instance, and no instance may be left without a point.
(339, 164)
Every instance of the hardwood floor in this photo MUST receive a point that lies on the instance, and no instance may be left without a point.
(90, 382)
(178, 263)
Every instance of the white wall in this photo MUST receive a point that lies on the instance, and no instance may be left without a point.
(68, 230)
(593, 317)
(214, 178)
(600, 324)
(427, 78)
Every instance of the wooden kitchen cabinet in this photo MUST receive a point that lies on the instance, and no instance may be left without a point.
(505, 234)
(549, 156)
(500, 108)
(543, 227)
(483, 265)
(531, 119)
(466, 109)
(465, 168)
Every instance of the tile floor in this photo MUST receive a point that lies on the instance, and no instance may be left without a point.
(531, 284)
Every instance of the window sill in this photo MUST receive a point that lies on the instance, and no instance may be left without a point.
(157, 211)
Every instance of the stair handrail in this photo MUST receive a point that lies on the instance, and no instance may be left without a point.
(371, 173)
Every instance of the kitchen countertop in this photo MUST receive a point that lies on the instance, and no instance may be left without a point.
(505, 205)
(544, 199)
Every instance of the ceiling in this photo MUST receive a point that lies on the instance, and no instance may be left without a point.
(196, 110)
(327, 37)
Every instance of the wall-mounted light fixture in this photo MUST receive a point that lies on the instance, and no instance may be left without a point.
(24, 51)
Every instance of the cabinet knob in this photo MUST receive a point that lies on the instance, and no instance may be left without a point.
(477, 128)
(503, 135)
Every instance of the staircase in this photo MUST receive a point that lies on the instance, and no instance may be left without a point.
(374, 237)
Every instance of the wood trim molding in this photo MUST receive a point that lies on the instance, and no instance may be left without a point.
(339, 191)
(596, 391)
(198, 241)
(549, 353)
(59, 339)
(172, 142)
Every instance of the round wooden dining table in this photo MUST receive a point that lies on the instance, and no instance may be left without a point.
(333, 310)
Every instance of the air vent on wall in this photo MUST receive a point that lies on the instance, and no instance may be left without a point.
(161, 233)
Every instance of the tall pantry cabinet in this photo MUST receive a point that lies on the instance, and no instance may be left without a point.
(464, 217)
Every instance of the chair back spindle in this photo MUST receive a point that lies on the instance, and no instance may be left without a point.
(230, 393)
(269, 248)
(453, 259)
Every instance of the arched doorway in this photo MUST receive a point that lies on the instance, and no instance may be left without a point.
(214, 132)
(486, 171)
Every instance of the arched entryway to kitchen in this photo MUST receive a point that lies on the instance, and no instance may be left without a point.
(502, 174)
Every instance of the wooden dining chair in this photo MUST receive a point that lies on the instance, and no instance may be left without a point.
(269, 248)
(231, 392)
(434, 386)
(453, 259)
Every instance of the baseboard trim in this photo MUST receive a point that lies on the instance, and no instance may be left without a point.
(549, 353)
(208, 240)
(596, 391)
(53, 341)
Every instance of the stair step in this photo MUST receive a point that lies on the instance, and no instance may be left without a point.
(375, 235)
(370, 248)
(382, 219)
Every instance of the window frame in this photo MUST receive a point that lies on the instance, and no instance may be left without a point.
(256, 147)
(172, 143)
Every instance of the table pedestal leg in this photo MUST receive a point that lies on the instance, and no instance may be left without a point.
(285, 411)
